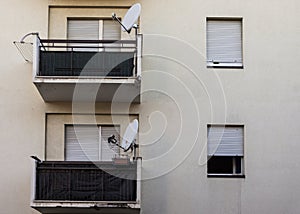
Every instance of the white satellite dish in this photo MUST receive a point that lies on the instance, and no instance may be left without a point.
(130, 134)
(130, 18)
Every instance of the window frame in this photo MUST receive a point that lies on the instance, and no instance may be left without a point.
(229, 65)
(242, 158)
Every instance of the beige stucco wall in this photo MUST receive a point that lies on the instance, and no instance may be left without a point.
(180, 97)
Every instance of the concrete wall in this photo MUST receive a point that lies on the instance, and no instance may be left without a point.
(180, 97)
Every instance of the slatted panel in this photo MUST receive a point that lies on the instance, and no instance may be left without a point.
(224, 41)
(111, 30)
(108, 152)
(225, 141)
(82, 143)
(83, 30)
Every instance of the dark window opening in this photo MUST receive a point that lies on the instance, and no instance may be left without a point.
(220, 165)
(224, 165)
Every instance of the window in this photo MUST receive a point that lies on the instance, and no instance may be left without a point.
(225, 150)
(89, 142)
(224, 43)
(93, 29)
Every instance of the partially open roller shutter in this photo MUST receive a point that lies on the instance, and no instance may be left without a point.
(225, 141)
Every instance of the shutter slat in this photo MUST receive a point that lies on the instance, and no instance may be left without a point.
(224, 41)
(225, 141)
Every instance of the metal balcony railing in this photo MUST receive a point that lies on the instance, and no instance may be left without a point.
(87, 58)
(85, 181)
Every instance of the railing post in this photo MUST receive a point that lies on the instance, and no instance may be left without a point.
(138, 179)
(139, 55)
(36, 56)
(33, 180)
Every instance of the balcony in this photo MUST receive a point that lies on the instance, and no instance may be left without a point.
(88, 70)
(86, 187)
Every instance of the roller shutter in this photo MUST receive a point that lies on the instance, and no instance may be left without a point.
(224, 42)
(225, 141)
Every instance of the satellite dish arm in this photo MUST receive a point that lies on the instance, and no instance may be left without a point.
(118, 20)
(112, 140)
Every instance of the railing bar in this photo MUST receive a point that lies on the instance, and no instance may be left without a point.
(108, 163)
(83, 168)
(90, 47)
(88, 41)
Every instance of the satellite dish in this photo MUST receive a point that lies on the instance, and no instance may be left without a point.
(130, 134)
(130, 17)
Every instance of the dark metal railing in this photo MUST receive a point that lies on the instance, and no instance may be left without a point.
(101, 58)
(85, 181)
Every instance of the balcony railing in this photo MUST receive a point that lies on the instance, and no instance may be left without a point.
(85, 182)
(110, 66)
(87, 58)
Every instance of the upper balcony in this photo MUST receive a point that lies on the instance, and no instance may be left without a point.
(88, 70)
(86, 187)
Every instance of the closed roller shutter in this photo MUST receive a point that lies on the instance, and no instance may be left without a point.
(224, 42)
(83, 29)
(82, 143)
(111, 30)
(225, 141)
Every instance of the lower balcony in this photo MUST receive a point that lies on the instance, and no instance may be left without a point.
(86, 187)
(88, 70)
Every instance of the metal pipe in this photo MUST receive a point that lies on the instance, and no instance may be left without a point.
(29, 34)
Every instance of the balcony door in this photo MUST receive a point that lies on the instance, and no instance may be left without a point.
(93, 29)
(89, 142)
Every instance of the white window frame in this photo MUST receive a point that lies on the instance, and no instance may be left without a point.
(218, 63)
(233, 174)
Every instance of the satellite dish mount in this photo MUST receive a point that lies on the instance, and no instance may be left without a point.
(129, 139)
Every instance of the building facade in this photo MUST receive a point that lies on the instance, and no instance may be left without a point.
(213, 85)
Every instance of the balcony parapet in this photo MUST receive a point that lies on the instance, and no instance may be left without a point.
(84, 185)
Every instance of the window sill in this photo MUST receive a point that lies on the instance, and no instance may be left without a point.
(225, 176)
(225, 65)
